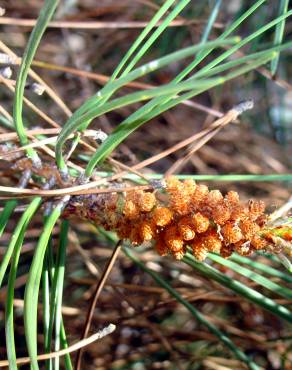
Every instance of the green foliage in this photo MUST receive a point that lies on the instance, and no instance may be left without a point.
(33, 283)
(198, 316)
(279, 33)
(188, 83)
(44, 17)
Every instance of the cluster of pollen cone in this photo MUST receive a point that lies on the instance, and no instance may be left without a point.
(184, 215)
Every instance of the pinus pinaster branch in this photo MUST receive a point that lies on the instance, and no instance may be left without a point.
(184, 214)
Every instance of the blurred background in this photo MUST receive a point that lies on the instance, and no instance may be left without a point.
(76, 57)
